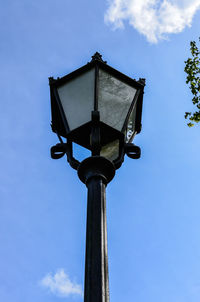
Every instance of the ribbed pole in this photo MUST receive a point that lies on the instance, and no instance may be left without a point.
(96, 261)
(96, 172)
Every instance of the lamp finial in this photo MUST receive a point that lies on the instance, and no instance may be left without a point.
(97, 57)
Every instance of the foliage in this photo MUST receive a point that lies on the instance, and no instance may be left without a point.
(192, 68)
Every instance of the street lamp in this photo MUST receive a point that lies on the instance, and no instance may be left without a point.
(99, 108)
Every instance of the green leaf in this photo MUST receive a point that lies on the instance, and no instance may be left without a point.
(192, 69)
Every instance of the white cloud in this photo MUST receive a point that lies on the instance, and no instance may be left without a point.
(60, 284)
(152, 18)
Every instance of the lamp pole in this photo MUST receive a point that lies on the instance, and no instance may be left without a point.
(96, 172)
(100, 109)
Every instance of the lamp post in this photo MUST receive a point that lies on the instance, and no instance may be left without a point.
(100, 109)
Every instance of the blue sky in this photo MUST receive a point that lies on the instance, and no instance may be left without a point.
(153, 204)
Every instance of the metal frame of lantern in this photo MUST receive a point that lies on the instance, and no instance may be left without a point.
(94, 134)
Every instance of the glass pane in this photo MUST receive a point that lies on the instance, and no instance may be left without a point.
(77, 98)
(114, 100)
(130, 131)
(111, 150)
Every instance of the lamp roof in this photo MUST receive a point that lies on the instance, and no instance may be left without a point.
(98, 61)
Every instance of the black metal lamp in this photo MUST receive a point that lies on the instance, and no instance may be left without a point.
(99, 108)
